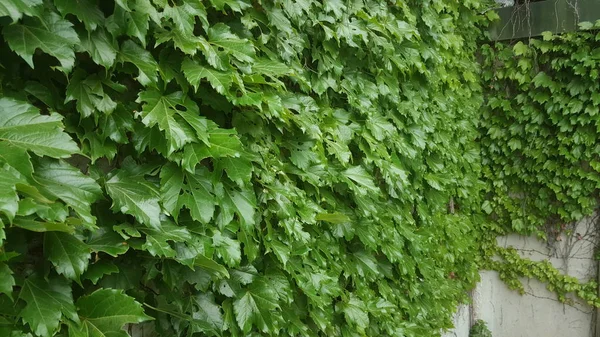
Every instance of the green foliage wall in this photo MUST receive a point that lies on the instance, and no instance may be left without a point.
(236, 168)
(540, 147)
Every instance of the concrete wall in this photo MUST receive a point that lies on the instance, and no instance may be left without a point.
(538, 312)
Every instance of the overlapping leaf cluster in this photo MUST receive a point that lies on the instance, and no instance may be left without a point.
(540, 141)
(239, 168)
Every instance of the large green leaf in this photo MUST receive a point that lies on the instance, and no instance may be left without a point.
(199, 198)
(85, 10)
(17, 8)
(142, 59)
(46, 303)
(100, 46)
(69, 255)
(221, 81)
(221, 37)
(135, 196)
(175, 114)
(50, 33)
(256, 307)
(104, 313)
(22, 126)
(7, 281)
(67, 183)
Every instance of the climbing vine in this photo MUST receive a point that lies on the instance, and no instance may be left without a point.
(236, 167)
(540, 142)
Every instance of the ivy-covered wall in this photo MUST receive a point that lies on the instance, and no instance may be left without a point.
(540, 149)
(237, 168)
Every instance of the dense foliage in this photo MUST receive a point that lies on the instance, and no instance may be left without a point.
(540, 142)
(236, 168)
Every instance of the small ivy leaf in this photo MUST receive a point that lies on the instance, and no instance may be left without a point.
(85, 10)
(228, 249)
(360, 176)
(22, 126)
(97, 270)
(135, 196)
(107, 241)
(142, 59)
(50, 33)
(221, 81)
(100, 46)
(105, 312)
(7, 281)
(255, 307)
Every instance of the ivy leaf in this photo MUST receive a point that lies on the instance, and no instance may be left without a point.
(184, 16)
(255, 307)
(89, 94)
(97, 271)
(42, 226)
(199, 197)
(221, 37)
(85, 10)
(142, 59)
(171, 182)
(22, 126)
(50, 33)
(100, 47)
(67, 183)
(156, 240)
(239, 170)
(221, 81)
(354, 311)
(222, 143)
(9, 200)
(360, 176)
(16, 8)
(104, 313)
(208, 311)
(7, 281)
(241, 202)
(235, 5)
(46, 302)
(68, 254)
(133, 195)
(107, 241)
(228, 249)
(167, 112)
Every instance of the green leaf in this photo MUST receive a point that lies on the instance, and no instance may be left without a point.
(171, 182)
(7, 281)
(198, 197)
(222, 143)
(46, 302)
(142, 59)
(16, 8)
(68, 254)
(241, 202)
(67, 183)
(101, 47)
(9, 200)
(208, 311)
(228, 249)
(354, 311)
(171, 113)
(210, 265)
(43, 226)
(256, 308)
(85, 10)
(239, 170)
(22, 126)
(107, 241)
(104, 313)
(50, 33)
(156, 240)
(221, 81)
(333, 217)
(97, 270)
(184, 16)
(135, 196)
(221, 37)
(360, 176)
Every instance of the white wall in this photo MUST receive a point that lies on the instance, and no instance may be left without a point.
(538, 312)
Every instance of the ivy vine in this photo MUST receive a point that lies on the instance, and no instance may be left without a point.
(540, 148)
